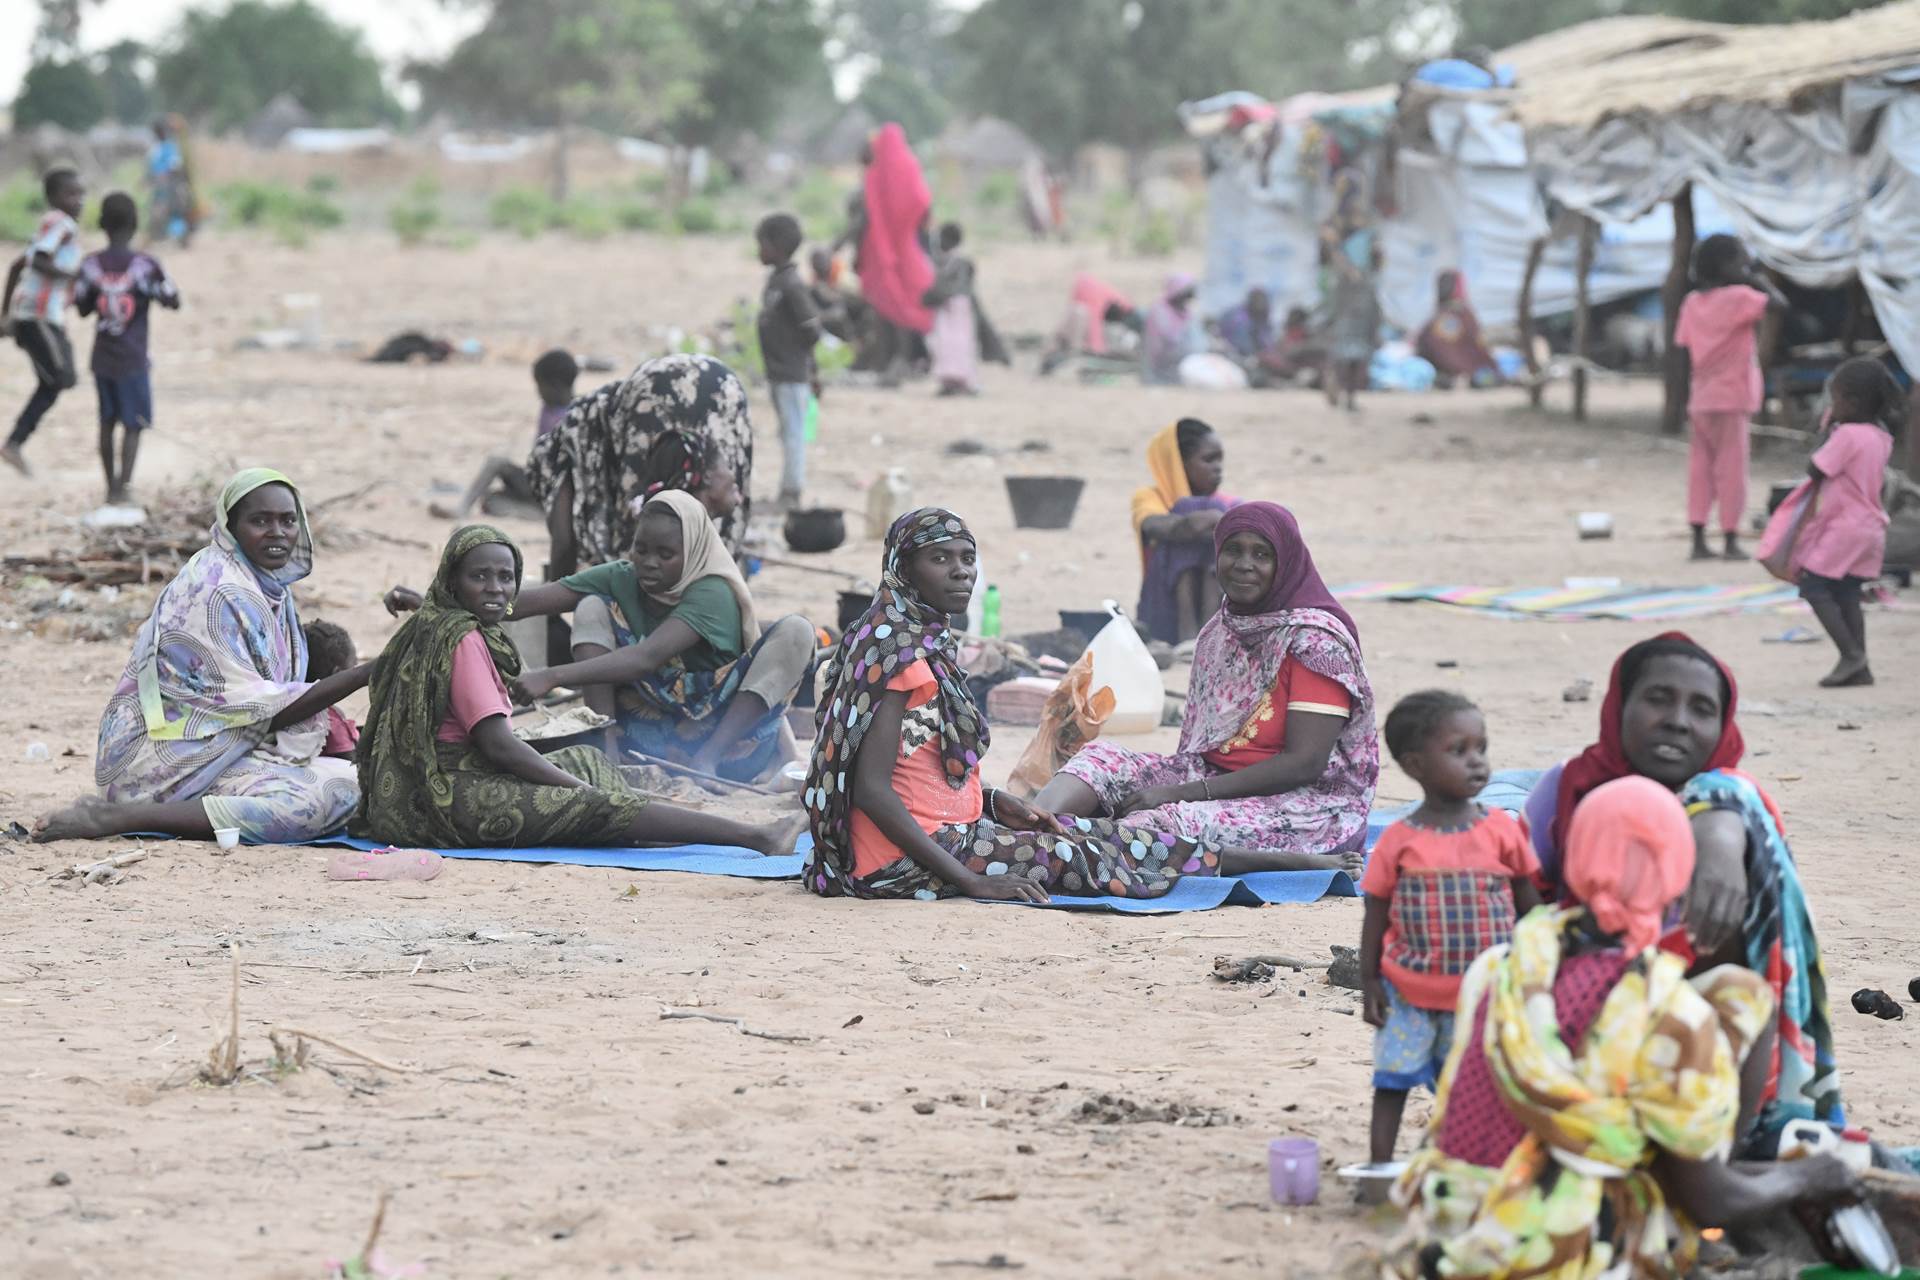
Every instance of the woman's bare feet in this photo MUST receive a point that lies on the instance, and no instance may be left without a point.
(11, 455)
(778, 839)
(88, 818)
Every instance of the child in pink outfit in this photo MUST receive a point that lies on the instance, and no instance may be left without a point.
(1844, 534)
(1717, 327)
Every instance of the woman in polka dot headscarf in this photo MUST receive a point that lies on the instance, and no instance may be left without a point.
(894, 794)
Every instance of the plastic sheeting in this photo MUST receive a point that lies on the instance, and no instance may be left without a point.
(1820, 195)
(1473, 204)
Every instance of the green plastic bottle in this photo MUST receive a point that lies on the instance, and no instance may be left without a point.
(990, 612)
(810, 424)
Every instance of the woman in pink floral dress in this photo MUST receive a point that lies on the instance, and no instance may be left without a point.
(1278, 751)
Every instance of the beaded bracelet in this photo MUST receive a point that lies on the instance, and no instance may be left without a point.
(993, 813)
(1206, 787)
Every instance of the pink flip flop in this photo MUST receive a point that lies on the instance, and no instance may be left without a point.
(384, 864)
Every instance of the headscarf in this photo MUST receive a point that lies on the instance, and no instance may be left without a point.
(703, 556)
(299, 564)
(1168, 328)
(1169, 473)
(399, 763)
(895, 271)
(898, 630)
(1296, 583)
(221, 654)
(675, 462)
(1629, 856)
(1606, 759)
(605, 443)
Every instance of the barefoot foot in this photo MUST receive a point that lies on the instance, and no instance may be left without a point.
(87, 818)
(11, 455)
(778, 840)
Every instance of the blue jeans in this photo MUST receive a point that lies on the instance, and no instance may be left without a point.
(790, 402)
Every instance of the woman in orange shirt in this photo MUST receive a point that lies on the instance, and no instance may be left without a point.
(1278, 749)
(894, 794)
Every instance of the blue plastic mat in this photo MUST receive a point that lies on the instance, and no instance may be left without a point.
(1204, 893)
(697, 859)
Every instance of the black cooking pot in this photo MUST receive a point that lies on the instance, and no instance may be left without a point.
(816, 529)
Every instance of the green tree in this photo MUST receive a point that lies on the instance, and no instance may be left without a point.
(895, 93)
(125, 81)
(1113, 70)
(906, 49)
(1497, 23)
(756, 54)
(222, 68)
(60, 91)
(629, 66)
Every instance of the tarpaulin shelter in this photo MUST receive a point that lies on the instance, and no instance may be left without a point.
(1807, 136)
(1804, 139)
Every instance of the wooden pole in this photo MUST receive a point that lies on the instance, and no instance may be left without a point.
(1535, 375)
(1583, 316)
(1673, 410)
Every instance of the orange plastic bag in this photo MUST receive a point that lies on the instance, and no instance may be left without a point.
(1070, 720)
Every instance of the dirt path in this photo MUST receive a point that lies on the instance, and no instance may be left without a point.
(557, 1124)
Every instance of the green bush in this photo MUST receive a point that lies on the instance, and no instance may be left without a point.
(416, 214)
(587, 219)
(699, 218)
(21, 205)
(1155, 236)
(637, 215)
(523, 209)
(322, 184)
(270, 205)
(820, 204)
(998, 191)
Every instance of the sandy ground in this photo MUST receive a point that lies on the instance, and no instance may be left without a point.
(554, 1125)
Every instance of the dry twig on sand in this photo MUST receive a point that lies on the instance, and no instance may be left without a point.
(738, 1024)
(105, 871)
(347, 1049)
(1259, 968)
(223, 1060)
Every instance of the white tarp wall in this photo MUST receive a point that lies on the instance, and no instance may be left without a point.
(1474, 205)
(1819, 195)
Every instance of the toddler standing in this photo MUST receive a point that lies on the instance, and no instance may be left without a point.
(1443, 884)
(1715, 336)
(1843, 536)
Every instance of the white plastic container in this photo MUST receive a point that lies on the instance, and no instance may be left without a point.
(1121, 663)
(889, 498)
(227, 837)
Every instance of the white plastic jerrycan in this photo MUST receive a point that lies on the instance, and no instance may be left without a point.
(889, 498)
(1121, 663)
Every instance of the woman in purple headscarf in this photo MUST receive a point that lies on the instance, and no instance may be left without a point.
(1171, 334)
(1278, 750)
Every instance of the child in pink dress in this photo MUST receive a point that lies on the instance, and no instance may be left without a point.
(1844, 534)
(1716, 331)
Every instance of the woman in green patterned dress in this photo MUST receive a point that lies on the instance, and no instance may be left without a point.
(440, 766)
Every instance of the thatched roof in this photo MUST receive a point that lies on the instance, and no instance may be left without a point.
(1653, 66)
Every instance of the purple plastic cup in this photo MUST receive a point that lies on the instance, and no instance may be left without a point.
(1293, 1170)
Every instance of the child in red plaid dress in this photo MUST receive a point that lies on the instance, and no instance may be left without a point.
(1443, 884)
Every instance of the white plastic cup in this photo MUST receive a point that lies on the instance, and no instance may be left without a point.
(229, 837)
(1595, 524)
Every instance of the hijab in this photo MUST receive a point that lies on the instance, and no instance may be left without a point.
(1296, 582)
(895, 271)
(276, 581)
(1606, 759)
(1169, 472)
(1629, 856)
(402, 785)
(898, 630)
(703, 555)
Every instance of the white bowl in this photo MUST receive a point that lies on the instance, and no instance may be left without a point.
(1372, 1182)
(227, 836)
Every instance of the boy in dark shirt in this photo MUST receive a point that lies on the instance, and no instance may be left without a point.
(116, 286)
(553, 377)
(789, 326)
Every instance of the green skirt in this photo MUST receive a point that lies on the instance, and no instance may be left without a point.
(495, 810)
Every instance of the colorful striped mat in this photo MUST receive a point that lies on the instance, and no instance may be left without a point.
(1574, 604)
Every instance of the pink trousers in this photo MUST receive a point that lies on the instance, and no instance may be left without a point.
(1717, 468)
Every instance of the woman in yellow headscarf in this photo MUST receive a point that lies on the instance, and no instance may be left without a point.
(1174, 519)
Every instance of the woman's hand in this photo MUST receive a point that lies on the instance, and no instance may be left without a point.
(1717, 901)
(531, 686)
(1015, 814)
(402, 600)
(1147, 798)
(1008, 888)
